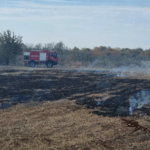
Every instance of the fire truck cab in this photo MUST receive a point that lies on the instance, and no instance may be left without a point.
(32, 58)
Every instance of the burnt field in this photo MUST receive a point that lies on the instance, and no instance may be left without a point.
(103, 90)
(61, 109)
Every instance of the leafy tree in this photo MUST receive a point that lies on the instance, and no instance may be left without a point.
(75, 54)
(48, 46)
(117, 48)
(59, 47)
(75, 49)
(103, 48)
(38, 46)
(1, 57)
(136, 52)
(125, 50)
(62, 52)
(11, 46)
(87, 55)
(28, 46)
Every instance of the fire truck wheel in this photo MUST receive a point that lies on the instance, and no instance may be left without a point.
(32, 64)
(49, 65)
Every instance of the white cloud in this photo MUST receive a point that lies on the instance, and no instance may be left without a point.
(116, 26)
(63, 1)
(29, 10)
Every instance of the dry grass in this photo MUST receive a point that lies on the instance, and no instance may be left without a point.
(63, 125)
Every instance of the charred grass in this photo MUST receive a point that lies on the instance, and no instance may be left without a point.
(64, 115)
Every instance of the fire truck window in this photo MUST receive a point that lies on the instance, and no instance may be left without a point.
(54, 55)
(26, 57)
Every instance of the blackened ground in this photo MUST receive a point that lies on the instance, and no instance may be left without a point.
(86, 88)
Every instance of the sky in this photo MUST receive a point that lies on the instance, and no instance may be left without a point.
(80, 23)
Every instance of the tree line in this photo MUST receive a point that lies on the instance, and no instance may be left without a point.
(11, 46)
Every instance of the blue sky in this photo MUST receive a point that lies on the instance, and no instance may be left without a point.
(81, 23)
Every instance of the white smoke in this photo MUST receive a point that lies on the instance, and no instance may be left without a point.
(133, 70)
(125, 71)
(99, 103)
(145, 64)
(139, 100)
(93, 63)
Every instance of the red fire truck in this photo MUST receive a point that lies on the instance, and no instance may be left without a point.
(32, 58)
